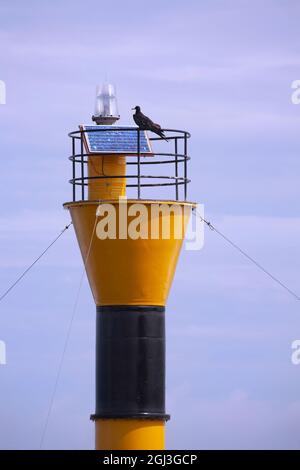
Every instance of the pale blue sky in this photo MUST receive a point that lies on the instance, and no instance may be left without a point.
(222, 70)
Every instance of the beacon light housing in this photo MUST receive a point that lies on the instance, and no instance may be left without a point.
(106, 106)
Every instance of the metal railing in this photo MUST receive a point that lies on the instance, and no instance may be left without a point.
(178, 159)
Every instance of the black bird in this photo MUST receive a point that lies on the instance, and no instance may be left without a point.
(145, 123)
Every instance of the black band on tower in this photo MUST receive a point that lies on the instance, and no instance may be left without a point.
(130, 362)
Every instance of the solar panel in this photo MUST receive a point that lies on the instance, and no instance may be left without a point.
(117, 139)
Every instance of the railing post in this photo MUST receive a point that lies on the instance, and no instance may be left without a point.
(176, 168)
(185, 166)
(73, 168)
(82, 166)
(139, 163)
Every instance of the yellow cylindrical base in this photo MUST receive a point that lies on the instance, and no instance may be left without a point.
(106, 188)
(130, 434)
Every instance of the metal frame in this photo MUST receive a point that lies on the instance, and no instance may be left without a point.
(179, 160)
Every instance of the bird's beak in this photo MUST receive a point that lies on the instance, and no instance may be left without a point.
(132, 109)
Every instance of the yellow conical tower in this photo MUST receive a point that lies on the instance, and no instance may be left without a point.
(130, 248)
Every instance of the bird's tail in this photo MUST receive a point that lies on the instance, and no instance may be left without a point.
(161, 134)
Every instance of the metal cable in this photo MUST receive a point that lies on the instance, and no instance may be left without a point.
(33, 263)
(67, 339)
(258, 265)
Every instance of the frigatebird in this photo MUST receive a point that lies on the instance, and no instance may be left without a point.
(145, 123)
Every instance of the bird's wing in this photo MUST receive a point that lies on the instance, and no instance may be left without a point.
(136, 119)
(145, 121)
(141, 121)
(156, 126)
